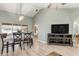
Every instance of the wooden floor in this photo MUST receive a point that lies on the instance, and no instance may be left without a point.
(40, 49)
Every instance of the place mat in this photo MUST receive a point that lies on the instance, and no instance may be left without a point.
(54, 54)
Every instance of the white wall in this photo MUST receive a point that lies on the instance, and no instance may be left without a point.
(49, 16)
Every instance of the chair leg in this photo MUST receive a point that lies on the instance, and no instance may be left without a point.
(13, 47)
(2, 49)
(20, 45)
(27, 43)
(7, 48)
(23, 46)
(30, 45)
(31, 42)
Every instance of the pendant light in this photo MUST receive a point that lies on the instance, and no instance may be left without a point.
(21, 17)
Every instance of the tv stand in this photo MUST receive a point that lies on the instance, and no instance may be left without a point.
(60, 39)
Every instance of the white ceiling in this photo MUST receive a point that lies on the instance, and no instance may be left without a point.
(29, 9)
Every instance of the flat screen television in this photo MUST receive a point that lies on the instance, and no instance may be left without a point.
(60, 28)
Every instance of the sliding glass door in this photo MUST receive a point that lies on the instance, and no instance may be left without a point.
(9, 28)
(6, 28)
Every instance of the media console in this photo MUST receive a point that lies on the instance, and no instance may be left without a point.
(60, 39)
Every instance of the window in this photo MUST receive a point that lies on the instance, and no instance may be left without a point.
(6, 28)
(9, 28)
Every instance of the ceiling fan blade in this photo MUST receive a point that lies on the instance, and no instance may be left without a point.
(49, 5)
(63, 3)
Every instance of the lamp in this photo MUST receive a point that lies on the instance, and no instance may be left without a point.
(21, 17)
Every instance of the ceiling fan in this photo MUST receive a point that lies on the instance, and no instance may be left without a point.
(63, 3)
(50, 5)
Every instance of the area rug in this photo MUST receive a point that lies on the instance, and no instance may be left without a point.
(54, 54)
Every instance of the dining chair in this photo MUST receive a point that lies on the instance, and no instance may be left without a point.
(28, 39)
(17, 37)
(5, 43)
